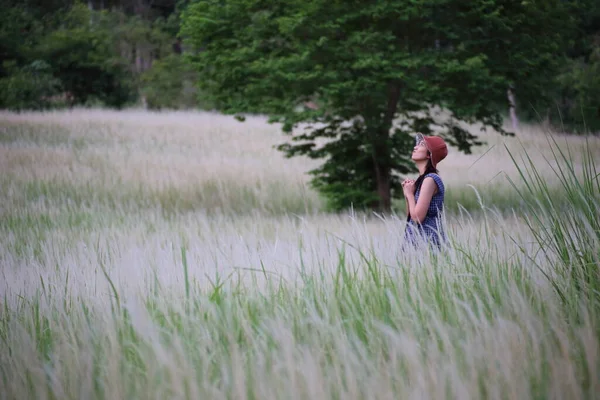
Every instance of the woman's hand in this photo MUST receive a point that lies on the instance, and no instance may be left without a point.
(408, 187)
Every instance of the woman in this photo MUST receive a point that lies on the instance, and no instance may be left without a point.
(425, 196)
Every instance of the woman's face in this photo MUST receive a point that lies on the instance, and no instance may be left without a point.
(420, 151)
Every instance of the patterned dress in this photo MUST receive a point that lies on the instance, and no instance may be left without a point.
(431, 229)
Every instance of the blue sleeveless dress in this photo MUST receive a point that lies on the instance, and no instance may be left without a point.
(431, 229)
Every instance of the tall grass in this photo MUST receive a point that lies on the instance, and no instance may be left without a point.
(426, 326)
(566, 224)
(106, 295)
(183, 161)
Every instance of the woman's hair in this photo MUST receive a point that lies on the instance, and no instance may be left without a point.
(429, 169)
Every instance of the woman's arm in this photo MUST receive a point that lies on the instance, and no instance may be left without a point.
(418, 211)
(406, 181)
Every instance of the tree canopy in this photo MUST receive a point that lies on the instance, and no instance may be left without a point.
(64, 53)
(376, 70)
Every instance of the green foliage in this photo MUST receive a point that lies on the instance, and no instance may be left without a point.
(53, 46)
(579, 104)
(83, 61)
(371, 63)
(170, 83)
(520, 42)
(49, 10)
(133, 33)
(93, 55)
(18, 30)
(570, 99)
(578, 86)
(86, 63)
(30, 87)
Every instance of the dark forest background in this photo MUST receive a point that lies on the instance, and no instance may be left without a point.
(120, 53)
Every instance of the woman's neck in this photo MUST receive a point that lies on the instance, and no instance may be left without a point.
(422, 167)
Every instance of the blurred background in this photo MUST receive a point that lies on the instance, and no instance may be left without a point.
(49, 50)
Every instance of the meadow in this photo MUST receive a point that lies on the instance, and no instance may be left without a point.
(179, 255)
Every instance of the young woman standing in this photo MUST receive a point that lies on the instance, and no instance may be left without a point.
(425, 196)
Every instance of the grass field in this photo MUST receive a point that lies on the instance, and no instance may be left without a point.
(178, 255)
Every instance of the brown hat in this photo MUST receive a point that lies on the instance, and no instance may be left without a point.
(436, 146)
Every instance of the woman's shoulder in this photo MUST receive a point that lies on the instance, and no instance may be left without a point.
(436, 178)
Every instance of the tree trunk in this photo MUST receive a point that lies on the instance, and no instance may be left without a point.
(148, 60)
(91, 8)
(512, 108)
(384, 189)
(381, 151)
(138, 59)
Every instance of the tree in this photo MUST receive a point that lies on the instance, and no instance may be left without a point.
(55, 53)
(22, 24)
(170, 84)
(26, 79)
(578, 85)
(86, 63)
(50, 51)
(29, 87)
(369, 64)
